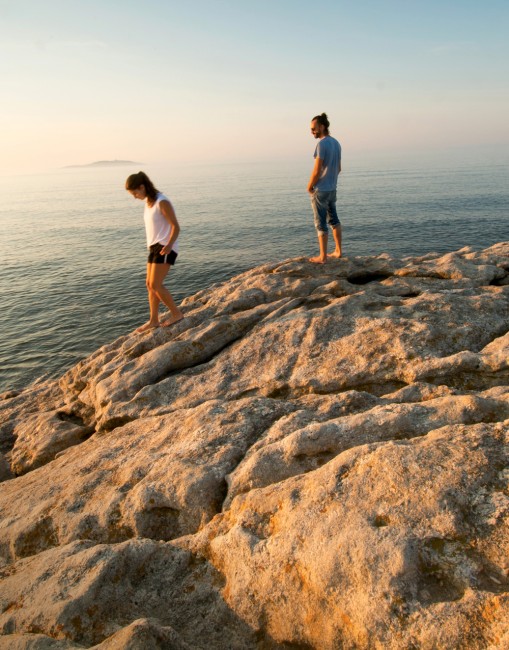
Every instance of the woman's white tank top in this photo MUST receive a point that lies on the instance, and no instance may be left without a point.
(157, 228)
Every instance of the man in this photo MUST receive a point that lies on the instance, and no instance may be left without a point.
(322, 187)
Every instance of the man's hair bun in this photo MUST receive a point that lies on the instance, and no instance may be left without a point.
(322, 119)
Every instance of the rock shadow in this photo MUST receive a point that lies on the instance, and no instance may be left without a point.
(367, 278)
(108, 588)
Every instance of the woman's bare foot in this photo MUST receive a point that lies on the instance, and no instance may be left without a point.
(317, 260)
(173, 320)
(147, 326)
(336, 254)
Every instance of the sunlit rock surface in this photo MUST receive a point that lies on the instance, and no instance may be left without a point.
(315, 457)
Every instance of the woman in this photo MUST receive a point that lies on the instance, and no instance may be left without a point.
(162, 230)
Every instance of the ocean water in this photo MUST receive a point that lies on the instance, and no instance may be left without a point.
(73, 250)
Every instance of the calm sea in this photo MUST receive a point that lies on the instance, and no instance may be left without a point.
(73, 251)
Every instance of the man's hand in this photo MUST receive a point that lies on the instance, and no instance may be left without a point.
(315, 175)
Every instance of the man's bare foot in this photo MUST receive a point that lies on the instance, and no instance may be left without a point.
(317, 260)
(173, 320)
(336, 254)
(147, 326)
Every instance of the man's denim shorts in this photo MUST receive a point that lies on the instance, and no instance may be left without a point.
(324, 209)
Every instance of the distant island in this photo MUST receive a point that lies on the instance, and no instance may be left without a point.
(105, 163)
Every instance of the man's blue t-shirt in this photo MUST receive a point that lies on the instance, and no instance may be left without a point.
(328, 150)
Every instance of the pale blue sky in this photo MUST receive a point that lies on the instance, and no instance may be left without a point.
(202, 81)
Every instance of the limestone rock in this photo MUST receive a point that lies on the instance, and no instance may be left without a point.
(159, 477)
(35, 642)
(307, 448)
(315, 457)
(310, 557)
(144, 633)
(90, 592)
(40, 437)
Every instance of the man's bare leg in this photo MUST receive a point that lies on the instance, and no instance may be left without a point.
(322, 242)
(336, 233)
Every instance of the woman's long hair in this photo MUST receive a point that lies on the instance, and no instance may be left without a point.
(134, 181)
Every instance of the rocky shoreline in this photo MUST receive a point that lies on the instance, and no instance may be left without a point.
(315, 457)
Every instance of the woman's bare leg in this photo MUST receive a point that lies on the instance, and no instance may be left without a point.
(153, 301)
(157, 276)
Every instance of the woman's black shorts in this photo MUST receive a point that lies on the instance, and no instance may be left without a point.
(154, 256)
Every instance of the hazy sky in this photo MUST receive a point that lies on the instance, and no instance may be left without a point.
(204, 80)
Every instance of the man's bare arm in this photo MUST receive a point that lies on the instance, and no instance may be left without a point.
(315, 175)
